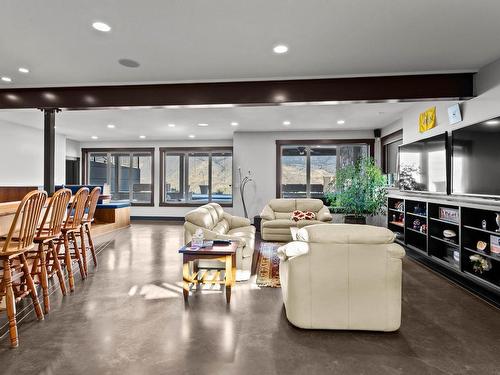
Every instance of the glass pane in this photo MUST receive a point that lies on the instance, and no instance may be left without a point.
(222, 177)
(323, 167)
(97, 169)
(140, 178)
(173, 178)
(293, 172)
(198, 177)
(119, 178)
(391, 156)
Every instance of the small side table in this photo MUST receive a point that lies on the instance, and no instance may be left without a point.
(225, 253)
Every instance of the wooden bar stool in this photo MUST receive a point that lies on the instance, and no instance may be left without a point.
(16, 281)
(45, 256)
(71, 226)
(87, 221)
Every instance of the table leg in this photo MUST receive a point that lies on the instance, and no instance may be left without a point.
(229, 277)
(186, 278)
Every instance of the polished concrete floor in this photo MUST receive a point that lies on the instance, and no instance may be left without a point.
(129, 317)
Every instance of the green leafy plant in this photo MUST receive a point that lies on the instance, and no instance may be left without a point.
(360, 189)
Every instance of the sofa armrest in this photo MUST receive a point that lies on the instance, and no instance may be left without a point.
(236, 221)
(324, 214)
(396, 251)
(267, 213)
(293, 249)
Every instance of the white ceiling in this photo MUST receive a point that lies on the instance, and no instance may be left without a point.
(200, 40)
(153, 122)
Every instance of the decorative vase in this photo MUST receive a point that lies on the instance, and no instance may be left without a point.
(354, 219)
(498, 221)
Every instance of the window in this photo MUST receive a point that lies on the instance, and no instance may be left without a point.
(128, 172)
(196, 176)
(390, 155)
(307, 168)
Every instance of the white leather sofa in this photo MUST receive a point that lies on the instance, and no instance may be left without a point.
(342, 276)
(217, 224)
(277, 217)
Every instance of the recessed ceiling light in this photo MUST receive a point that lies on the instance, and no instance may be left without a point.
(6, 79)
(340, 122)
(171, 125)
(191, 136)
(203, 125)
(142, 136)
(492, 122)
(286, 123)
(94, 137)
(23, 70)
(280, 48)
(129, 63)
(234, 123)
(111, 126)
(101, 26)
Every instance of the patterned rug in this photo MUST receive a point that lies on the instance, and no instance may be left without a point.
(268, 267)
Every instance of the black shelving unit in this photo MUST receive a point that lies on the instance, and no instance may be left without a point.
(421, 227)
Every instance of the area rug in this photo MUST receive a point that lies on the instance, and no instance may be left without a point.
(268, 267)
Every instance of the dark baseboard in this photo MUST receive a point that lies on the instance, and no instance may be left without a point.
(484, 293)
(158, 218)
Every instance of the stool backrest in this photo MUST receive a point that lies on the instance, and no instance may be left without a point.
(23, 227)
(77, 209)
(55, 214)
(92, 203)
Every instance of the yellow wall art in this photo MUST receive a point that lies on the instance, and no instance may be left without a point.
(427, 120)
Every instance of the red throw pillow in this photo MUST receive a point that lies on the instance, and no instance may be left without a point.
(300, 215)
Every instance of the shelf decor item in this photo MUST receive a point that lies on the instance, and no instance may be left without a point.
(480, 264)
(484, 224)
(449, 214)
(448, 233)
(417, 224)
(481, 245)
(495, 245)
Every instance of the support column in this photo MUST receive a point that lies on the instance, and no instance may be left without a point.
(49, 149)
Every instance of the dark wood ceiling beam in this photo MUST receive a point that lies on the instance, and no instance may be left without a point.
(359, 89)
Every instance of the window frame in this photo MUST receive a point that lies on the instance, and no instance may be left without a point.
(384, 142)
(131, 152)
(186, 151)
(370, 142)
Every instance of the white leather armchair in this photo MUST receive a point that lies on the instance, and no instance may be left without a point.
(341, 276)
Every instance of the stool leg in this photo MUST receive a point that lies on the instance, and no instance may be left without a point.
(91, 244)
(57, 266)
(44, 278)
(78, 255)
(84, 249)
(11, 304)
(31, 286)
(69, 267)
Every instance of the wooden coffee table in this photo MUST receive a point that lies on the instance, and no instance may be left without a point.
(225, 253)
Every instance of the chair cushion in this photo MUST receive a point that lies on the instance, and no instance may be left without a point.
(222, 227)
(246, 231)
(200, 217)
(303, 223)
(279, 223)
(282, 205)
(309, 204)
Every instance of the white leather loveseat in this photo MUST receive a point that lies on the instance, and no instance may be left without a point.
(277, 217)
(217, 224)
(342, 276)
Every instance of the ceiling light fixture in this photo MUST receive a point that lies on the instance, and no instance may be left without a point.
(6, 79)
(280, 49)
(23, 70)
(191, 136)
(94, 137)
(341, 122)
(142, 136)
(234, 123)
(203, 125)
(101, 26)
(111, 126)
(286, 123)
(171, 125)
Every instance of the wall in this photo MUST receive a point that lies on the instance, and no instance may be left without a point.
(157, 210)
(73, 149)
(21, 152)
(256, 152)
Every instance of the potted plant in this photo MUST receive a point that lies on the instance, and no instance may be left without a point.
(360, 190)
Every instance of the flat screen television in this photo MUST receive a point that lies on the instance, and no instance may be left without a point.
(423, 165)
(476, 159)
